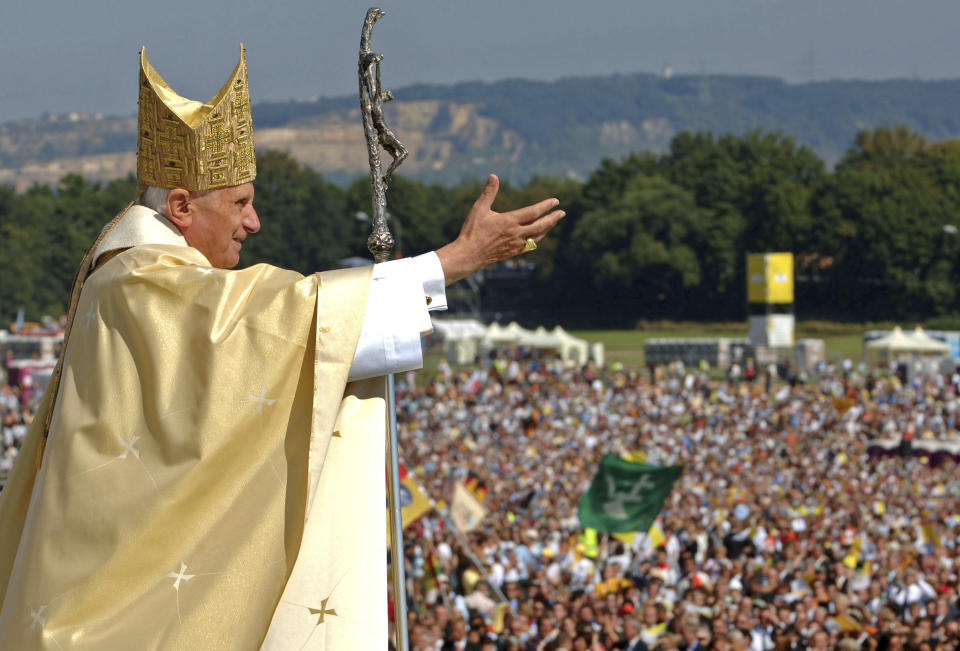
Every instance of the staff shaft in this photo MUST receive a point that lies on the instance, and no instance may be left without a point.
(380, 244)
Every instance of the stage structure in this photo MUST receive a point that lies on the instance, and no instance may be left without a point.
(770, 299)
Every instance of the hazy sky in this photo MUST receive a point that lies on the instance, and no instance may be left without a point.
(81, 55)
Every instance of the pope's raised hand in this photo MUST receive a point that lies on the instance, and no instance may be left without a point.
(488, 236)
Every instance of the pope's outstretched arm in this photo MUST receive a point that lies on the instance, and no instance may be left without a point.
(403, 291)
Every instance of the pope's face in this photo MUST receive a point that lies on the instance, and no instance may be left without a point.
(222, 220)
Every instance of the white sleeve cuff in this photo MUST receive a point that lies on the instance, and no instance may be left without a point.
(428, 268)
(401, 292)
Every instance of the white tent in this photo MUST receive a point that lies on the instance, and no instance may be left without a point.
(573, 350)
(570, 349)
(539, 339)
(461, 338)
(926, 343)
(457, 329)
(897, 342)
(510, 334)
(893, 340)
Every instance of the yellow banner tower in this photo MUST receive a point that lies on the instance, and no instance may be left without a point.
(770, 299)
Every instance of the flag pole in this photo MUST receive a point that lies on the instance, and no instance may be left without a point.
(380, 244)
(465, 544)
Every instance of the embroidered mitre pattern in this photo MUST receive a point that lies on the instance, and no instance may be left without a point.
(188, 144)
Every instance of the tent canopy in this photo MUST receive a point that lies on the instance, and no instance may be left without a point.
(459, 329)
(463, 338)
(923, 341)
(571, 349)
(915, 342)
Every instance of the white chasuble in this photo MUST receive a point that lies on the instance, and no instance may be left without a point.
(209, 476)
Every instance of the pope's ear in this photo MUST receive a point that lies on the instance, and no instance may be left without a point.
(178, 208)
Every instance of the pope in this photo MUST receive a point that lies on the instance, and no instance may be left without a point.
(206, 469)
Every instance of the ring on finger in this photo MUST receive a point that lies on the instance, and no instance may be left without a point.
(529, 245)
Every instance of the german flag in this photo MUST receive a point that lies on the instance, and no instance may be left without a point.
(476, 486)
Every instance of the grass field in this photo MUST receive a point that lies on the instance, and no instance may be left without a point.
(626, 346)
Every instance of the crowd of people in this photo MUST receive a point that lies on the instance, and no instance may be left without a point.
(17, 414)
(781, 533)
(25, 368)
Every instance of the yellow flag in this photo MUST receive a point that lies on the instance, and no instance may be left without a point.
(634, 456)
(466, 511)
(656, 536)
(590, 541)
(930, 534)
(655, 631)
(848, 624)
(851, 559)
(626, 537)
(413, 502)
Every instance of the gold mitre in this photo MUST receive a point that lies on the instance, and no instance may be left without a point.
(183, 143)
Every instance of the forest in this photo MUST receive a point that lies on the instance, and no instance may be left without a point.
(648, 236)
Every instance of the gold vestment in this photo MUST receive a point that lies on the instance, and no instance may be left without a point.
(210, 480)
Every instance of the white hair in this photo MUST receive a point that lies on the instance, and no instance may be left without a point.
(155, 199)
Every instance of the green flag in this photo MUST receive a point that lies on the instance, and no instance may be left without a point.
(626, 496)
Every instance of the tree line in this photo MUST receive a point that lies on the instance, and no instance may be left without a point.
(650, 236)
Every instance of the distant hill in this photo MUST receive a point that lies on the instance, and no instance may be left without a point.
(518, 128)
